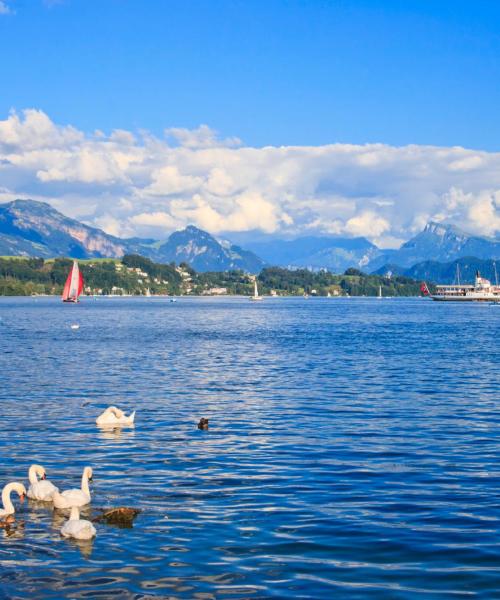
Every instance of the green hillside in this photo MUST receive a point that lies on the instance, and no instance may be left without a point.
(136, 275)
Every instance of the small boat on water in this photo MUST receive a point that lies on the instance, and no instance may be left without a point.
(380, 292)
(74, 284)
(255, 291)
(480, 291)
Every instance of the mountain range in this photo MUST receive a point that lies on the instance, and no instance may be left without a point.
(461, 270)
(441, 243)
(32, 228)
(317, 252)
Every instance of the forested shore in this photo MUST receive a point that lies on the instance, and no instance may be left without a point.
(136, 275)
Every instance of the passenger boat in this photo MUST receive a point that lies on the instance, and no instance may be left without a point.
(74, 284)
(480, 291)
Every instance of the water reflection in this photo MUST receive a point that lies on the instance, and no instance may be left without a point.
(116, 434)
(12, 528)
(84, 546)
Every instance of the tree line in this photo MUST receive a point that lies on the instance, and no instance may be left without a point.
(134, 274)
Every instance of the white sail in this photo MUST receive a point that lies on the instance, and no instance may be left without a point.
(255, 291)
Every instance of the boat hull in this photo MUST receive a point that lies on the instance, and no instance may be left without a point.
(466, 299)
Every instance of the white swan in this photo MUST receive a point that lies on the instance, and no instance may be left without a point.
(40, 489)
(8, 507)
(75, 497)
(115, 416)
(77, 528)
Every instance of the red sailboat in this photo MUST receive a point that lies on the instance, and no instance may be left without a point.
(74, 284)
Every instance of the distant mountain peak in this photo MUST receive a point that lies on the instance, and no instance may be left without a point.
(436, 228)
(32, 228)
(192, 229)
(204, 252)
(444, 229)
(440, 242)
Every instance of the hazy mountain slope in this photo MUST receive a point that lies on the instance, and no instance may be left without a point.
(31, 228)
(333, 253)
(35, 228)
(445, 272)
(441, 243)
(204, 253)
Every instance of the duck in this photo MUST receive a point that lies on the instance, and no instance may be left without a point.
(79, 529)
(114, 416)
(203, 424)
(75, 497)
(40, 489)
(8, 507)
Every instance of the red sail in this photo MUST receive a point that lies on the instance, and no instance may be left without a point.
(424, 289)
(74, 284)
(80, 283)
(67, 286)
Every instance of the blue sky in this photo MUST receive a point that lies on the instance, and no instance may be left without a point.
(254, 118)
(270, 72)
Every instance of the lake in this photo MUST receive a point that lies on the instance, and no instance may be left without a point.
(353, 448)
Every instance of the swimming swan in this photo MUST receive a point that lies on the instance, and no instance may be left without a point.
(115, 416)
(71, 498)
(40, 489)
(8, 507)
(77, 528)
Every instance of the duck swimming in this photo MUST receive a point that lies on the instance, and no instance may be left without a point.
(40, 489)
(8, 507)
(113, 416)
(77, 528)
(75, 497)
(203, 424)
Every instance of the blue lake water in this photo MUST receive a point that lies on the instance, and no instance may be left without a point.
(353, 448)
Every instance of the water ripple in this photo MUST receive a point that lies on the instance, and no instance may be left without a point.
(352, 451)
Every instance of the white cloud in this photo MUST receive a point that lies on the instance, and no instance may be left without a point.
(35, 130)
(202, 137)
(154, 219)
(136, 184)
(478, 212)
(168, 180)
(367, 224)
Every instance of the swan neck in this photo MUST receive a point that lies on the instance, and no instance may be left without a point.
(75, 514)
(85, 483)
(6, 501)
(33, 474)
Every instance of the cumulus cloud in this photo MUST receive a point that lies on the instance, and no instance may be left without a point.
(202, 137)
(367, 223)
(133, 183)
(169, 180)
